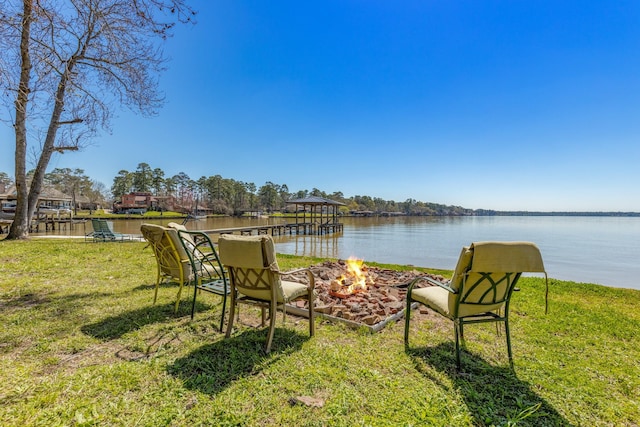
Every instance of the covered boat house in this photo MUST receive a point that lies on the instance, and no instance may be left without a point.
(315, 215)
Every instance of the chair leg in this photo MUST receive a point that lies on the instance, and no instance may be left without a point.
(224, 310)
(231, 314)
(193, 305)
(312, 321)
(178, 297)
(155, 295)
(506, 328)
(457, 329)
(272, 327)
(284, 314)
(407, 318)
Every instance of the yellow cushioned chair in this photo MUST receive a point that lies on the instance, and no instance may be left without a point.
(171, 258)
(255, 278)
(480, 288)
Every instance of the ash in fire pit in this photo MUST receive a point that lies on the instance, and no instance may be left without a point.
(371, 297)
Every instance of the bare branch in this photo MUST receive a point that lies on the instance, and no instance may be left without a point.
(61, 149)
(65, 66)
(69, 122)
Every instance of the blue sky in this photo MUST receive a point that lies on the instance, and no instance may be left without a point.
(507, 105)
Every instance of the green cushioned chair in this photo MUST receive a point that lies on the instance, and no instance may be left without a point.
(255, 278)
(480, 289)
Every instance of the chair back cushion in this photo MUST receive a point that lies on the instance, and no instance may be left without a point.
(462, 267)
(168, 250)
(180, 227)
(492, 271)
(252, 264)
(515, 257)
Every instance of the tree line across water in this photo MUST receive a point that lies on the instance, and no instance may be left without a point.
(224, 196)
(228, 196)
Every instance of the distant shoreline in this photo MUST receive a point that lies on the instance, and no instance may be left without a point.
(484, 212)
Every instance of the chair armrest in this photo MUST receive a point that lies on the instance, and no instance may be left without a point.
(297, 270)
(312, 279)
(432, 282)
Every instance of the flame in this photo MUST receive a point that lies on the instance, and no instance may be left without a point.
(359, 279)
(354, 281)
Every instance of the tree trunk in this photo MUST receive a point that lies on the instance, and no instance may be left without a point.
(35, 189)
(20, 227)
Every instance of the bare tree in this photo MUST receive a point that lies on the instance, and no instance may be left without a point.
(96, 195)
(71, 182)
(65, 66)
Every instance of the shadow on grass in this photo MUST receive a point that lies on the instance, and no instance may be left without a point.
(187, 293)
(116, 326)
(211, 368)
(493, 394)
(166, 284)
(45, 299)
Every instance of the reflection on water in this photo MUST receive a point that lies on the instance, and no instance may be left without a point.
(582, 249)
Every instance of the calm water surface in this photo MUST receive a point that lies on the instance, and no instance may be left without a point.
(602, 250)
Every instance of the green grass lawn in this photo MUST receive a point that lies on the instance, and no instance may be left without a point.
(82, 344)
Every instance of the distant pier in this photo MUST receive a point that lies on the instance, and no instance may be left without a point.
(44, 223)
(281, 229)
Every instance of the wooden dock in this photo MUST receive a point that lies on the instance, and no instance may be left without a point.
(53, 224)
(49, 224)
(281, 229)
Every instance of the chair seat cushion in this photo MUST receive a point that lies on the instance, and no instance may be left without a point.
(434, 297)
(443, 301)
(293, 290)
(290, 290)
(212, 271)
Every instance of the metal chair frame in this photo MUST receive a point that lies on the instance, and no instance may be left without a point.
(207, 272)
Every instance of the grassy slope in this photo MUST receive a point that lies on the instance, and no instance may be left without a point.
(82, 344)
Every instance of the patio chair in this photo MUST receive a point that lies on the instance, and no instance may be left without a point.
(207, 273)
(480, 289)
(171, 258)
(256, 279)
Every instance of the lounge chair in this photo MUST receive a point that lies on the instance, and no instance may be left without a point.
(255, 279)
(480, 289)
(103, 232)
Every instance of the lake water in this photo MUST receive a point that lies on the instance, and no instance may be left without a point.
(604, 250)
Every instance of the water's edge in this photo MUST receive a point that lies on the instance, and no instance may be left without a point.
(600, 250)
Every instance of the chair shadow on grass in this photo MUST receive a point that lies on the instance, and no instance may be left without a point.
(114, 327)
(166, 284)
(494, 395)
(213, 367)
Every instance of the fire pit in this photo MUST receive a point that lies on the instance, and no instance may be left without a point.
(354, 281)
(353, 293)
